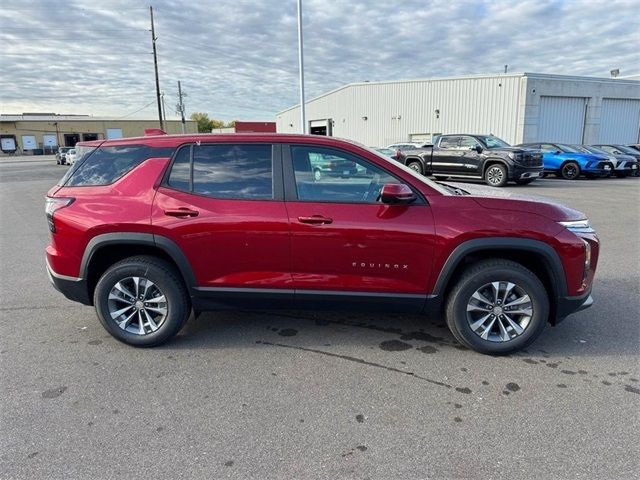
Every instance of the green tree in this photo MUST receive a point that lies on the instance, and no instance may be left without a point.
(217, 124)
(203, 121)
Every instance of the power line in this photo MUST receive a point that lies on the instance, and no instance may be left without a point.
(136, 111)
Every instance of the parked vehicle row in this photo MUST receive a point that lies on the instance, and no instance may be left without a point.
(61, 155)
(496, 162)
(475, 156)
(150, 229)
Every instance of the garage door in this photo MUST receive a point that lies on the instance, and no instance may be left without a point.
(561, 119)
(114, 133)
(619, 121)
(29, 142)
(49, 140)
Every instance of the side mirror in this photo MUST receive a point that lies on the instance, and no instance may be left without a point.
(397, 193)
(477, 148)
(557, 152)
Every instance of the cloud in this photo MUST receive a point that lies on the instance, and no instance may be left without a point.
(237, 59)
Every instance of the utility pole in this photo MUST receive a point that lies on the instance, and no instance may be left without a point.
(164, 109)
(155, 66)
(303, 120)
(180, 106)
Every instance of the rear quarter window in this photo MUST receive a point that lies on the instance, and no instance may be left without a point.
(106, 165)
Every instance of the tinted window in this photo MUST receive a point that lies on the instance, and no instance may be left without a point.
(468, 142)
(328, 175)
(105, 165)
(449, 142)
(180, 176)
(233, 171)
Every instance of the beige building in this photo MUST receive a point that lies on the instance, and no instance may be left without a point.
(43, 133)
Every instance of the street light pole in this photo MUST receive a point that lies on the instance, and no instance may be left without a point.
(303, 120)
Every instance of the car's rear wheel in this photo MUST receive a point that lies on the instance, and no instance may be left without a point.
(570, 171)
(496, 175)
(415, 166)
(142, 301)
(497, 307)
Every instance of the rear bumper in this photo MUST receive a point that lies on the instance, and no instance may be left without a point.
(73, 288)
(568, 305)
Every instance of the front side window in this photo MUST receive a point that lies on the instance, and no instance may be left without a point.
(233, 171)
(467, 143)
(329, 175)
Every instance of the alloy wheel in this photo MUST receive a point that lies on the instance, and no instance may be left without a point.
(499, 311)
(495, 175)
(137, 305)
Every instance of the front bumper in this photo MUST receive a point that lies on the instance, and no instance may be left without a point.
(73, 288)
(565, 306)
(520, 172)
(601, 169)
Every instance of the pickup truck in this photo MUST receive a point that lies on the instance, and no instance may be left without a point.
(475, 156)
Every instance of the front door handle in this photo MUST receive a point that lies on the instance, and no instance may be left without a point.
(315, 220)
(181, 212)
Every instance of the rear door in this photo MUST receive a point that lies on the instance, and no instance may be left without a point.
(346, 246)
(222, 204)
(446, 157)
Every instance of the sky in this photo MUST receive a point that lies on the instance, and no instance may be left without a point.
(238, 59)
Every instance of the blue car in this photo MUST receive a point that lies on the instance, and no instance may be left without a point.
(569, 163)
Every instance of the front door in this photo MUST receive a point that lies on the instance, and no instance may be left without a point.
(347, 246)
(223, 206)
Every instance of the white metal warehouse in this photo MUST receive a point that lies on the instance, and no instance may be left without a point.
(519, 107)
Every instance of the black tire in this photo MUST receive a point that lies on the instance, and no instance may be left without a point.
(416, 166)
(496, 175)
(570, 171)
(167, 280)
(525, 181)
(486, 272)
(317, 174)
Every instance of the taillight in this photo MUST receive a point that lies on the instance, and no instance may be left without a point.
(52, 205)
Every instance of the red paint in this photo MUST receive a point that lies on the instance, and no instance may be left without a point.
(277, 244)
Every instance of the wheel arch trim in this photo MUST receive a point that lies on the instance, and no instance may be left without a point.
(132, 238)
(553, 264)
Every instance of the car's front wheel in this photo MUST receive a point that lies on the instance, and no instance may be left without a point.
(142, 301)
(497, 307)
(496, 175)
(570, 171)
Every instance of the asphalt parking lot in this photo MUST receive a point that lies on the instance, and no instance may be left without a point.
(315, 395)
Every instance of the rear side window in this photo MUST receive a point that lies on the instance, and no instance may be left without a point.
(232, 171)
(105, 165)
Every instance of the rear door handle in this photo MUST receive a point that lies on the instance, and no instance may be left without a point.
(181, 212)
(315, 220)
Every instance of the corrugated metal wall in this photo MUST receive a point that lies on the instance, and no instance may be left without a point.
(619, 121)
(378, 114)
(562, 119)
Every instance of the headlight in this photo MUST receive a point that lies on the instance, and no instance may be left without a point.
(578, 226)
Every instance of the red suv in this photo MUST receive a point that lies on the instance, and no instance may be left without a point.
(149, 229)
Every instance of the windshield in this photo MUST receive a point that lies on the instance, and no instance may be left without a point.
(493, 142)
(416, 175)
(628, 150)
